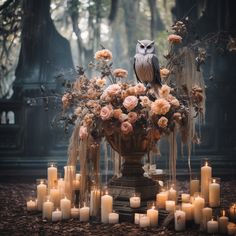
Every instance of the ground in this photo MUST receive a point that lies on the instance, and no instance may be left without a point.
(15, 220)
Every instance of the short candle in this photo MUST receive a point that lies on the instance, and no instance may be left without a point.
(113, 218)
(170, 206)
(212, 226)
(153, 215)
(31, 205)
(135, 201)
(56, 215)
(223, 222)
(161, 199)
(144, 221)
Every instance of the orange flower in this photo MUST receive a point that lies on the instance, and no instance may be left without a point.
(162, 122)
(164, 73)
(117, 113)
(174, 38)
(121, 73)
(139, 89)
(164, 91)
(160, 106)
(104, 54)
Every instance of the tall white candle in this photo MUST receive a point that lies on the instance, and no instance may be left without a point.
(65, 204)
(188, 209)
(69, 178)
(106, 207)
(198, 205)
(95, 202)
(41, 194)
(206, 174)
(223, 222)
(214, 193)
(206, 216)
(113, 218)
(61, 187)
(74, 212)
(31, 205)
(84, 214)
(231, 228)
(144, 221)
(47, 210)
(212, 226)
(194, 186)
(52, 176)
(153, 215)
(172, 194)
(180, 220)
(170, 206)
(161, 199)
(55, 196)
(56, 215)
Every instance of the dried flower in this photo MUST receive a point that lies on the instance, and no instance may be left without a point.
(100, 82)
(126, 128)
(121, 73)
(162, 122)
(78, 111)
(83, 132)
(145, 102)
(104, 54)
(131, 91)
(132, 117)
(139, 89)
(112, 90)
(66, 99)
(174, 38)
(130, 102)
(160, 106)
(164, 73)
(175, 102)
(106, 113)
(164, 91)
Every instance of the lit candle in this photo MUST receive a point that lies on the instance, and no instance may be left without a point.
(194, 186)
(223, 222)
(144, 221)
(47, 210)
(170, 206)
(74, 212)
(161, 199)
(56, 215)
(137, 217)
(135, 201)
(31, 205)
(76, 182)
(198, 205)
(206, 216)
(95, 201)
(231, 227)
(206, 172)
(212, 226)
(55, 196)
(52, 175)
(232, 212)
(180, 220)
(106, 207)
(188, 209)
(65, 205)
(153, 215)
(185, 197)
(113, 218)
(41, 194)
(172, 194)
(214, 193)
(84, 213)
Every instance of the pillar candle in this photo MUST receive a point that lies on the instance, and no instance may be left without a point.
(188, 209)
(185, 197)
(56, 215)
(198, 205)
(194, 186)
(113, 218)
(144, 221)
(206, 172)
(137, 217)
(55, 196)
(65, 205)
(106, 207)
(232, 212)
(206, 216)
(212, 227)
(74, 212)
(231, 227)
(69, 178)
(47, 210)
(172, 194)
(76, 182)
(214, 194)
(41, 194)
(95, 202)
(170, 206)
(223, 222)
(161, 199)
(135, 202)
(52, 176)
(61, 187)
(31, 205)
(84, 214)
(153, 215)
(180, 220)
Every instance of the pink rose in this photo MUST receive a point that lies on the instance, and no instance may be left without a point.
(113, 89)
(83, 132)
(126, 127)
(162, 122)
(139, 89)
(132, 117)
(145, 102)
(130, 102)
(160, 106)
(106, 112)
(123, 117)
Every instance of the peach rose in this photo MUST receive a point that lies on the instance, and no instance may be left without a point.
(104, 54)
(105, 97)
(117, 113)
(160, 106)
(174, 38)
(162, 122)
(175, 102)
(164, 91)
(131, 91)
(164, 73)
(83, 132)
(106, 113)
(145, 102)
(121, 73)
(132, 117)
(112, 90)
(139, 89)
(130, 102)
(126, 127)
(123, 117)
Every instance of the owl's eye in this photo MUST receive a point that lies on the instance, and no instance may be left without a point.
(141, 46)
(149, 46)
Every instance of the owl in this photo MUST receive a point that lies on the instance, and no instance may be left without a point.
(146, 64)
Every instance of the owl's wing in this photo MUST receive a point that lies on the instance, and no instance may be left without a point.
(135, 71)
(156, 71)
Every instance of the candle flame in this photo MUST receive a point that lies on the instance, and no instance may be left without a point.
(214, 180)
